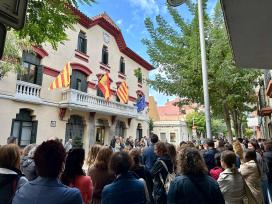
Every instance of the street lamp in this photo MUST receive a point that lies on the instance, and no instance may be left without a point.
(203, 62)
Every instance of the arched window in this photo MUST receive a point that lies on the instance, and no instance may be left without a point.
(24, 128)
(105, 55)
(79, 81)
(122, 65)
(82, 42)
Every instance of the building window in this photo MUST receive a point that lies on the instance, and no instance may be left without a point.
(163, 136)
(117, 98)
(99, 92)
(172, 137)
(139, 75)
(75, 130)
(82, 42)
(24, 128)
(105, 55)
(33, 71)
(79, 81)
(120, 128)
(122, 65)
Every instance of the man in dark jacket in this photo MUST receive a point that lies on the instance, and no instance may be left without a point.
(268, 162)
(149, 156)
(209, 154)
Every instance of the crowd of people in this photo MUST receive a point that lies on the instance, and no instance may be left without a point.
(129, 172)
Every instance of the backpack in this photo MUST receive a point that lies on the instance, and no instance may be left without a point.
(169, 178)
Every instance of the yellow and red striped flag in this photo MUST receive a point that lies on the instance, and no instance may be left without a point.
(122, 92)
(104, 86)
(63, 79)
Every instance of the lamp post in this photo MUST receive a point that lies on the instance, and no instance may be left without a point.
(203, 62)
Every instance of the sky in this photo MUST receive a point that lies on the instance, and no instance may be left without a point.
(129, 15)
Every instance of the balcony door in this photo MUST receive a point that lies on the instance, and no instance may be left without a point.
(75, 129)
(120, 128)
(139, 132)
(79, 81)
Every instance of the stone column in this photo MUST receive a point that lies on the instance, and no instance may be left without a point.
(91, 128)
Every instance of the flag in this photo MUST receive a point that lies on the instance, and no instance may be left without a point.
(141, 104)
(122, 92)
(104, 86)
(63, 79)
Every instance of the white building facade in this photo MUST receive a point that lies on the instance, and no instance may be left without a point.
(32, 113)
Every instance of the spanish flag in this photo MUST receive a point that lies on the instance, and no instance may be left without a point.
(122, 92)
(63, 79)
(104, 86)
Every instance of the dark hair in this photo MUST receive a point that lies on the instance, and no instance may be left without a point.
(240, 139)
(182, 143)
(268, 145)
(209, 142)
(229, 147)
(172, 153)
(135, 155)
(249, 155)
(73, 165)
(217, 158)
(154, 138)
(103, 158)
(120, 163)
(49, 158)
(190, 162)
(11, 140)
(229, 158)
(161, 148)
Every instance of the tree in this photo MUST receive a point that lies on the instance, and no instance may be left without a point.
(46, 22)
(177, 50)
(196, 119)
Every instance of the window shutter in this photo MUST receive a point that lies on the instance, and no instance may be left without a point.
(85, 46)
(39, 76)
(34, 131)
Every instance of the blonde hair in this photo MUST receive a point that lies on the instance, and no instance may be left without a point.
(238, 150)
(9, 156)
(92, 154)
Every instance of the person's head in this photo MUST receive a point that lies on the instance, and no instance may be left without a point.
(217, 158)
(73, 165)
(135, 155)
(103, 158)
(253, 144)
(160, 149)
(238, 149)
(249, 155)
(182, 143)
(10, 156)
(190, 162)
(118, 140)
(171, 149)
(92, 154)
(120, 163)
(268, 145)
(27, 149)
(49, 159)
(228, 160)
(228, 146)
(154, 138)
(11, 140)
(209, 143)
(31, 153)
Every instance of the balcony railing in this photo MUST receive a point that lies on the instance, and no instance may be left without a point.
(28, 91)
(81, 100)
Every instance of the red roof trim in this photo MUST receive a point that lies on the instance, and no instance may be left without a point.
(81, 67)
(82, 18)
(40, 51)
(50, 71)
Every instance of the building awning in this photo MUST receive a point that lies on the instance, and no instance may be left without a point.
(249, 26)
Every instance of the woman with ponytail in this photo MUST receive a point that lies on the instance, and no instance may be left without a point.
(230, 180)
(251, 172)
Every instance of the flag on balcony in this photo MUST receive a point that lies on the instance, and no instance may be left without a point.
(104, 86)
(140, 104)
(63, 79)
(122, 92)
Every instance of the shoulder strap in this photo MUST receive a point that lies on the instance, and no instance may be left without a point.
(164, 165)
(199, 188)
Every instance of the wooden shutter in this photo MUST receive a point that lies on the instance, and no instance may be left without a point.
(39, 76)
(34, 132)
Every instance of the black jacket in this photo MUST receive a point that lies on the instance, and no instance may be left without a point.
(268, 162)
(159, 193)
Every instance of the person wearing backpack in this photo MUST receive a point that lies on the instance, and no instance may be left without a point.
(11, 178)
(161, 172)
(193, 185)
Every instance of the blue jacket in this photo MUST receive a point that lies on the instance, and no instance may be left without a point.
(126, 189)
(149, 157)
(209, 158)
(47, 191)
(200, 189)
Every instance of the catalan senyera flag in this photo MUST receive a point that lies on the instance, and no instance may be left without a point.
(122, 92)
(104, 86)
(63, 79)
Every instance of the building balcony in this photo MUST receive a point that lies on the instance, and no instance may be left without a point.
(27, 92)
(83, 101)
(265, 111)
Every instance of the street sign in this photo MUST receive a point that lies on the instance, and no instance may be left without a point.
(3, 32)
(12, 13)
